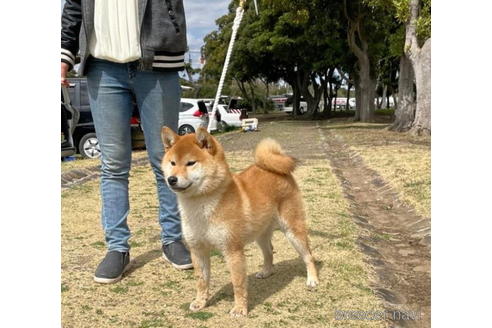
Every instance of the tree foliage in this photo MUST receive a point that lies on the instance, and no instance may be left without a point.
(307, 43)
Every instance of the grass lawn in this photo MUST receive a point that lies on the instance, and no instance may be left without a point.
(153, 294)
(401, 159)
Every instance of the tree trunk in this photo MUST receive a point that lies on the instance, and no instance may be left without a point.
(253, 97)
(366, 84)
(347, 104)
(302, 84)
(335, 102)
(376, 95)
(244, 92)
(384, 98)
(422, 122)
(358, 97)
(325, 92)
(295, 99)
(421, 63)
(328, 104)
(367, 92)
(405, 107)
(395, 98)
(306, 79)
(313, 100)
(267, 95)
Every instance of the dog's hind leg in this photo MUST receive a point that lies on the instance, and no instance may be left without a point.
(293, 224)
(201, 264)
(265, 244)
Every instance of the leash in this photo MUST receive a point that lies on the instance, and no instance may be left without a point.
(235, 28)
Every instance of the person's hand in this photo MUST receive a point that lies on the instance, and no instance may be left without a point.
(64, 70)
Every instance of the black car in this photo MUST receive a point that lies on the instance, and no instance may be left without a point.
(69, 119)
(84, 135)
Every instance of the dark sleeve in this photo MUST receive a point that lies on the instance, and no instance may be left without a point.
(71, 22)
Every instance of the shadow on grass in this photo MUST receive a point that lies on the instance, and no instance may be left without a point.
(260, 290)
(143, 259)
(325, 235)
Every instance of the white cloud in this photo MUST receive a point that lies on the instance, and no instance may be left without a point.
(202, 13)
(200, 19)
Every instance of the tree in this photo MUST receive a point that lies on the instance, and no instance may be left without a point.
(413, 109)
(358, 43)
(405, 109)
(298, 42)
(368, 31)
(406, 102)
(421, 62)
(308, 43)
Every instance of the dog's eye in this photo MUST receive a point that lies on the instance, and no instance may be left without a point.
(173, 163)
(190, 163)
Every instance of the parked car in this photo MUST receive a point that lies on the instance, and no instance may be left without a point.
(352, 103)
(84, 135)
(69, 119)
(289, 103)
(192, 115)
(279, 101)
(227, 115)
(339, 103)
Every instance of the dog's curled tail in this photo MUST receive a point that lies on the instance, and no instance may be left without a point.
(270, 156)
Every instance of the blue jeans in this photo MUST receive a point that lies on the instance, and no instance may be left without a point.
(111, 86)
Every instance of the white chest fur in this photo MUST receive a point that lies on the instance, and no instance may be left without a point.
(198, 225)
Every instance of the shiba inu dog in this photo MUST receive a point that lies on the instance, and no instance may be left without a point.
(225, 211)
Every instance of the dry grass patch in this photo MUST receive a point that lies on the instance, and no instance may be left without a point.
(153, 294)
(401, 159)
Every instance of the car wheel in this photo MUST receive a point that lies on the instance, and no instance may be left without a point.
(185, 129)
(222, 126)
(89, 146)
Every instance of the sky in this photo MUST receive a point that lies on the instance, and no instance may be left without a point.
(200, 20)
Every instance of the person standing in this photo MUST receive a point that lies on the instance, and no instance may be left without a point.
(129, 48)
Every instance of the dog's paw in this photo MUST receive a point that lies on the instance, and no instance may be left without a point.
(264, 274)
(197, 305)
(238, 312)
(311, 283)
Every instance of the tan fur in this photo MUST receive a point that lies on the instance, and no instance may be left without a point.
(270, 156)
(226, 211)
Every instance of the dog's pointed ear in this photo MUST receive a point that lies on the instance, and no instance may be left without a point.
(169, 137)
(205, 140)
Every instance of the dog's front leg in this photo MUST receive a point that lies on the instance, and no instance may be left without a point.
(201, 264)
(237, 266)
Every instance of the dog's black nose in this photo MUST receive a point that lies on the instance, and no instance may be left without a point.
(172, 180)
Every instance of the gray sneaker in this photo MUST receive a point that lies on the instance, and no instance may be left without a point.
(177, 254)
(112, 267)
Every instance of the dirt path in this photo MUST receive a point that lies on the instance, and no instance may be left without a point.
(396, 240)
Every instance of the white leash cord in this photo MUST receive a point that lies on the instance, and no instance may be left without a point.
(235, 28)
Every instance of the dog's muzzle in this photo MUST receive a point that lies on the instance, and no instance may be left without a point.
(172, 180)
(173, 183)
